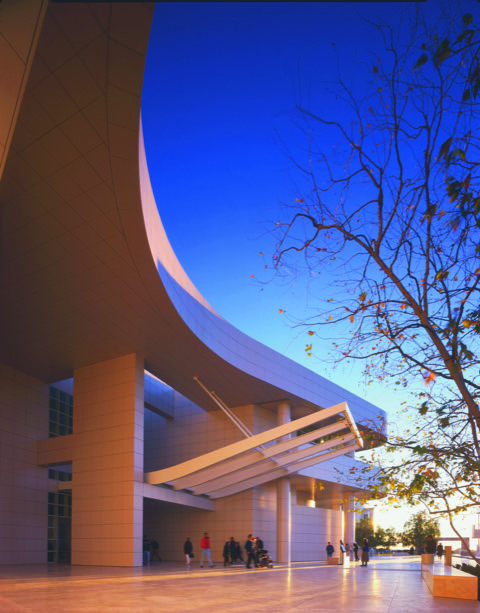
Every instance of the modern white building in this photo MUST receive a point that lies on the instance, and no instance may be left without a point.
(128, 406)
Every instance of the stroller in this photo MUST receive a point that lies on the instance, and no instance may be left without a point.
(264, 560)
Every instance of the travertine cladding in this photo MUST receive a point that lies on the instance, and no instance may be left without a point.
(169, 525)
(194, 432)
(448, 582)
(311, 531)
(253, 511)
(23, 485)
(108, 463)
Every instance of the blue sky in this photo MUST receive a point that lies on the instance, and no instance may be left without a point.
(221, 84)
(222, 80)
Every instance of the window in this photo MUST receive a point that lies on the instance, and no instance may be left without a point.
(59, 506)
(61, 413)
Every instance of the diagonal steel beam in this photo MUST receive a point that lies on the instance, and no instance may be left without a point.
(245, 460)
(225, 453)
(266, 466)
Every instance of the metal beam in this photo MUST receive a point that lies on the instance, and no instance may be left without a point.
(245, 460)
(266, 466)
(225, 453)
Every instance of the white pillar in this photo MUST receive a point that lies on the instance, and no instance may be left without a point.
(283, 497)
(349, 521)
(349, 524)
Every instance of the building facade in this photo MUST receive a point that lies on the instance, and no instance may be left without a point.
(128, 405)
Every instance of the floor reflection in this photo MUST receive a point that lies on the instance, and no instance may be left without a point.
(385, 586)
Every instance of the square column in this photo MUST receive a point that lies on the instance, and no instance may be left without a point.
(107, 467)
(284, 510)
(349, 520)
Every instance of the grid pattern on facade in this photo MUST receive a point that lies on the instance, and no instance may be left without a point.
(61, 413)
(59, 509)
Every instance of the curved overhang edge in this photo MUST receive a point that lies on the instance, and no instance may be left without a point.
(233, 347)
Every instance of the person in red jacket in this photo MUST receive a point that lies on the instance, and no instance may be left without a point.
(205, 546)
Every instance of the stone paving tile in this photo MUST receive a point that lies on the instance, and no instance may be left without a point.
(386, 586)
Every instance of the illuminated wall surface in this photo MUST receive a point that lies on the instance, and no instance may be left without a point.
(103, 338)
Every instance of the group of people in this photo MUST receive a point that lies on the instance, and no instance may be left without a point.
(254, 548)
(430, 547)
(232, 552)
(352, 552)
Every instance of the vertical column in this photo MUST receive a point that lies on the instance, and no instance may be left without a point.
(338, 556)
(349, 520)
(107, 495)
(348, 524)
(283, 497)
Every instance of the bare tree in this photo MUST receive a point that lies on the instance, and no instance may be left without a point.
(393, 211)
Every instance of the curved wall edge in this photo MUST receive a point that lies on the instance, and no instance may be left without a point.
(226, 341)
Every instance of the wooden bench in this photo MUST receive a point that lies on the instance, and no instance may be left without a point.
(448, 582)
(335, 561)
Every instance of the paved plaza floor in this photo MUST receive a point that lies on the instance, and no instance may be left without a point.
(387, 585)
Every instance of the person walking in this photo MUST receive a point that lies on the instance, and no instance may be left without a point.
(238, 552)
(232, 548)
(355, 551)
(205, 546)
(226, 553)
(250, 549)
(188, 549)
(330, 549)
(365, 550)
(440, 550)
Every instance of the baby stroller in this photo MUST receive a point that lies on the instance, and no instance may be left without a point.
(264, 560)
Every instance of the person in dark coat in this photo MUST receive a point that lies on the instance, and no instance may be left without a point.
(440, 550)
(365, 550)
(226, 553)
(235, 552)
(355, 551)
(250, 549)
(188, 549)
(238, 552)
(431, 545)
